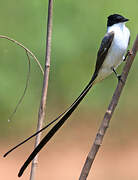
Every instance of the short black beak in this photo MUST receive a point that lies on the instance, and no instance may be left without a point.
(125, 20)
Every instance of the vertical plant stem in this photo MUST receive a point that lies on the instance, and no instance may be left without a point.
(108, 115)
(42, 108)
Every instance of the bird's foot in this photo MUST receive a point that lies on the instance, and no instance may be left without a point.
(129, 52)
(117, 75)
(119, 78)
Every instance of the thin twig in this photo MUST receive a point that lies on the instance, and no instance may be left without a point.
(106, 120)
(25, 89)
(26, 49)
(42, 108)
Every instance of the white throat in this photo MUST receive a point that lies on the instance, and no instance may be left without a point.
(120, 26)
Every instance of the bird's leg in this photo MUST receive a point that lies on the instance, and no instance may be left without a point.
(129, 52)
(117, 75)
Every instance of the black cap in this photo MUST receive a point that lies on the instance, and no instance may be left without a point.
(116, 18)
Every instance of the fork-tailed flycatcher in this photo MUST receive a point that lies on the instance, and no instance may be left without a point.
(110, 55)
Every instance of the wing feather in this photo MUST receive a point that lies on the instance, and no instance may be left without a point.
(103, 51)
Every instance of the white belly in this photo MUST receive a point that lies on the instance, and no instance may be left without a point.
(115, 54)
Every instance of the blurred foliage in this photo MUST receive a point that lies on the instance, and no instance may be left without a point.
(78, 27)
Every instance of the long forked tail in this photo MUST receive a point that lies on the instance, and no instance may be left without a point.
(56, 126)
(45, 127)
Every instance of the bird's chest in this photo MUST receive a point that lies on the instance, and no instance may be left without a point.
(120, 43)
(116, 51)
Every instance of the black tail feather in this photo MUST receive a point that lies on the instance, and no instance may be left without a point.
(34, 134)
(57, 126)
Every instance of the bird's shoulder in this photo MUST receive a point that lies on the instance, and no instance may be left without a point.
(106, 42)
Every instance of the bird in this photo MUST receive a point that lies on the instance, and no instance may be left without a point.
(112, 52)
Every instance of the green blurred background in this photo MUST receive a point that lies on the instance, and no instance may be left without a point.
(78, 27)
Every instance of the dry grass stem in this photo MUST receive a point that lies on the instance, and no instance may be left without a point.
(42, 108)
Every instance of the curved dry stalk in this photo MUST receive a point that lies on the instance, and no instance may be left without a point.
(25, 89)
(28, 75)
(26, 49)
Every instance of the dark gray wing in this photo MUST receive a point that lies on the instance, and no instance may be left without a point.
(103, 50)
(129, 40)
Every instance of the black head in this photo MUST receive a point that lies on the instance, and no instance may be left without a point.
(115, 18)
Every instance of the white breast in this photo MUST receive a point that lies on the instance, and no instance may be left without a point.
(116, 51)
